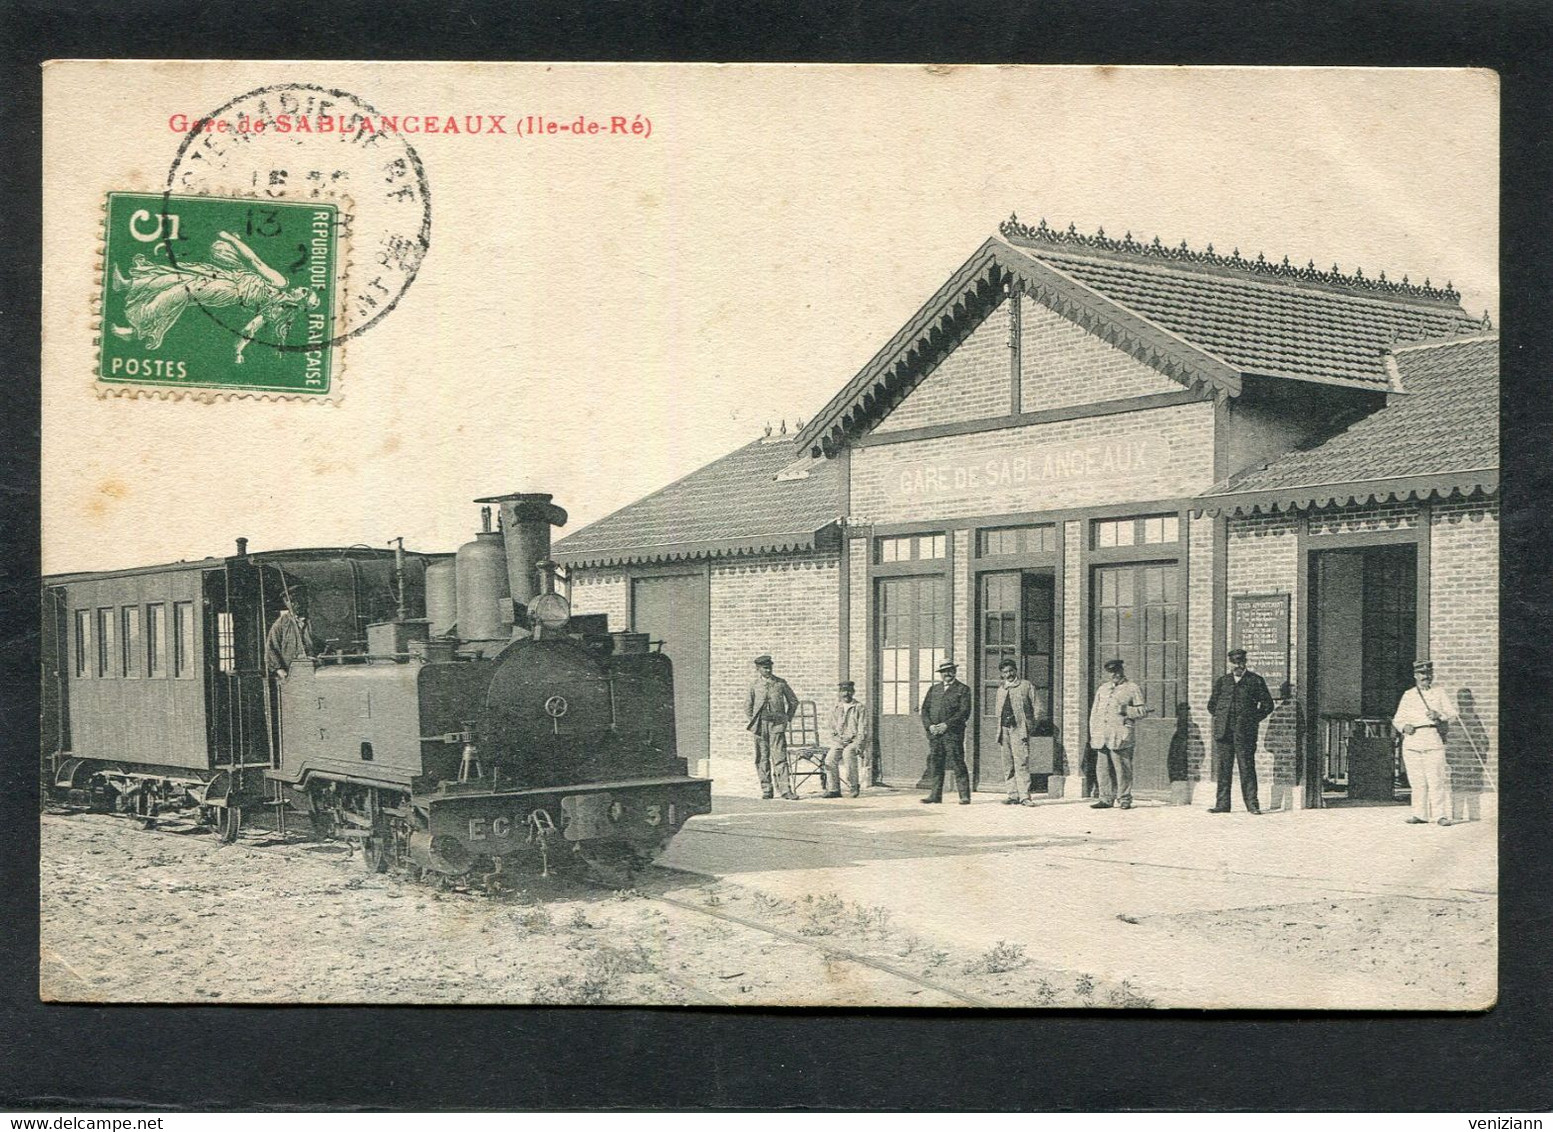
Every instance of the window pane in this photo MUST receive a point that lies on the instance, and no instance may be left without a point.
(1173, 528)
(1125, 532)
(129, 636)
(105, 642)
(83, 643)
(183, 639)
(226, 646)
(156, 634)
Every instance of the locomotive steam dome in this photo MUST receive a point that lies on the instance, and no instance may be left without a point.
(482, 588)
(442, 596)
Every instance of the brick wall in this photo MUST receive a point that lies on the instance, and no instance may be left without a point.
(1264, 558)
(960, 639)
(602, 592)
(1151, 454)
(1358, 520)
(788, 606)
(1063, 364)
(972, 383)
(1464, 630)
(1202, 659)
(860, 597)
(1074, 687)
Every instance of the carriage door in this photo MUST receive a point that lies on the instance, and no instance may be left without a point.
(1018, 610)
(913, 627)
(56, 671)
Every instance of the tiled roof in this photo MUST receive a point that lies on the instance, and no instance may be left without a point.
(1279, 328)
(1202, 318)
(1442, 431)
(735, 505)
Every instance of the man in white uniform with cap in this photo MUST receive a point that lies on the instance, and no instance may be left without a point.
(1423, 716)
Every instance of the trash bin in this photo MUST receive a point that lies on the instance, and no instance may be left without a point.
(1372, 761)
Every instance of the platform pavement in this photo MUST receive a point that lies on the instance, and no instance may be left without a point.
(1095, 891)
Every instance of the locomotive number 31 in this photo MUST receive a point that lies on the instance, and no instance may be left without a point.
(655, 814)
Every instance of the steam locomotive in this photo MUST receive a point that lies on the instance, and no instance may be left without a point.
(458, 719)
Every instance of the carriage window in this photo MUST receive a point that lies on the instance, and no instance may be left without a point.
(226, 643)
(183, 639)
(105, 642)
(156, 635)
(83, 643)
(129, 640)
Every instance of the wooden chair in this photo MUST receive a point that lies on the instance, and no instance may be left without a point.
(805, 751)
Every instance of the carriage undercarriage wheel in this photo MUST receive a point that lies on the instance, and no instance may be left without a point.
(377, 850)
(228, 822)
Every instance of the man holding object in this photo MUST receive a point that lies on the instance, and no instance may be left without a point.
(1423, 716)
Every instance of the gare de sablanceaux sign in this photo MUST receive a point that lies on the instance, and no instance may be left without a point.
(1033, 465)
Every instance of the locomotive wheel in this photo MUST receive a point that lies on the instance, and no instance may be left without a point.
(229, 821)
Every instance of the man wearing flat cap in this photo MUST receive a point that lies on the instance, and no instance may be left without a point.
(1118, 704)
(848, 742)
(1239, 703)
(770, 706)
(1424, 716)
(945, 711)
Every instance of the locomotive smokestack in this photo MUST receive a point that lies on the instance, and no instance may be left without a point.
(242, 548)
(526, 519)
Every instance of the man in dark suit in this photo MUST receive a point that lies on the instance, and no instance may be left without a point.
(770, 704)
(1239, 703)
(944, 714)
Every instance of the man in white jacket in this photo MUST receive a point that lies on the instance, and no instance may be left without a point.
(1423, 716)
(1118, 704)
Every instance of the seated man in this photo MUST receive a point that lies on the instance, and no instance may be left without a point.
(847, 739)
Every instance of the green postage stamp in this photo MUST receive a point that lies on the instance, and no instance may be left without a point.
(220, 293)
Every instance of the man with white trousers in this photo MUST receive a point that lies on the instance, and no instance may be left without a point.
(1423, 716)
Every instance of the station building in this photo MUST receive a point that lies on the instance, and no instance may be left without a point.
(1083, 448)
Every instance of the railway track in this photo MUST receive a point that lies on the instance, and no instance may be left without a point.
(257, 836)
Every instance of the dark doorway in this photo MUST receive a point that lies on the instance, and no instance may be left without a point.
(1363, 626)
(1017, 621)
(676, 610)
(913, 628)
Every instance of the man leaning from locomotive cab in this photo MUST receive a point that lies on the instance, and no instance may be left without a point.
(770, 706)
(290, 636)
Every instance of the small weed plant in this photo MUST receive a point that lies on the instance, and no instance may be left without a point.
(1003, 956)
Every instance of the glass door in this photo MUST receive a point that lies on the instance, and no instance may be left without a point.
(913, 639)
(1018, 615)
(1137, 619)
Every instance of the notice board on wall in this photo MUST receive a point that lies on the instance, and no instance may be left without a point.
(1259, 623)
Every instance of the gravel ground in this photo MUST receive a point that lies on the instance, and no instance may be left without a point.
(1447, 948)
(136, 916)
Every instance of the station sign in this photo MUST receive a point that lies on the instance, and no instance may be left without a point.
(1033, 465)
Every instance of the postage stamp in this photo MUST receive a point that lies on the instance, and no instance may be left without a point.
(219, 293)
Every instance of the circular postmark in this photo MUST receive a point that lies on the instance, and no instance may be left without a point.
(299, 142)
